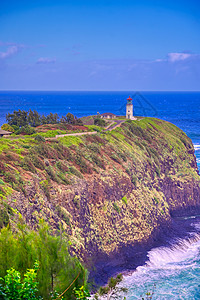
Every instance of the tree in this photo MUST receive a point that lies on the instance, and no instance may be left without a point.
(18, 118)
(52, 118)
(34, 118)
(70, 118)
(57, 268)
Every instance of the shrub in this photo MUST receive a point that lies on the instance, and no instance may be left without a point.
(62, 214)
(57, 269)
(134, 180)
(62, 176)
(50, 171)
(156, 200)
(115, 158)
(28, 165)
(122, 155)
(76, 201)
(98, 161)
(7, 127)
(10, 178)
(16, 288)
(38, 163)
(124, 199)
(45, 187)
(4, 217)
(99, 122)
(84, 167)
(62, 166)
(27, 130)
(115, 206)
(94, 148)
(39, 138)
(75, 172)
(157, 171)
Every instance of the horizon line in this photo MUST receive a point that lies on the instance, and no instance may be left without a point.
(178, 91)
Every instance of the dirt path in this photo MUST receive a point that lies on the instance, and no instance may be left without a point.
(119, 122)
(109, 128)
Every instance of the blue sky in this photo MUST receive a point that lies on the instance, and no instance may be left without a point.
(100, 45)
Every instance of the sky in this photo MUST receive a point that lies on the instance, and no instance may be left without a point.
(104, 45)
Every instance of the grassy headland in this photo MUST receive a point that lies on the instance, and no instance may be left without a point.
(109, 191)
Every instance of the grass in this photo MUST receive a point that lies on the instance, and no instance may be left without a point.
(70, 140)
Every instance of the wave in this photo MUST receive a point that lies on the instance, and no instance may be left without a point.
(182, 250)
(173, 270)
(196, 147)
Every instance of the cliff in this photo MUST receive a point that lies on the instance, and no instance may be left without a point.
(112, 192)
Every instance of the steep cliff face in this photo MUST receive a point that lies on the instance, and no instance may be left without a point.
(111, 191)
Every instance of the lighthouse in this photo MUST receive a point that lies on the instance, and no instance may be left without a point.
(129, 109)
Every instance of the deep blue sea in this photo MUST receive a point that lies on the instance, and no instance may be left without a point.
(174, 269)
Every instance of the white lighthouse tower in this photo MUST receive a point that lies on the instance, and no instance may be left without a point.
(129, 109)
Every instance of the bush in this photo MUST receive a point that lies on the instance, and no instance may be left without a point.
(38, 162)
(75, 172)
(4, 217)
(98, 161)
(93, 147)
(134, 180)
(50, 171)
(115, 206)
(15, 288)
(122, 156)
(39, 138)
(124, 199)
(7, 127)
(28, 165)
(114, 157)
(62, 176)
(57, 269)
(84, 167)
(26, 130)
(45, 187)
(99, 122)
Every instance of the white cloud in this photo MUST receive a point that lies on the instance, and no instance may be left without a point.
(10, 51)
(46, 60)
(178, 56)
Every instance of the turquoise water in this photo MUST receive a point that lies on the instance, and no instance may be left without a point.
(171, 272)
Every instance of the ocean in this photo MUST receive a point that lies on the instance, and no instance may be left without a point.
(172, 271)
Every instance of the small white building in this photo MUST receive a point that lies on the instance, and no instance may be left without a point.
(129, 109)
(4, 133)
(108, 116)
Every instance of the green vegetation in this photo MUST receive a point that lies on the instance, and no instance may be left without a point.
(22, 122)
(15, 288)
(106, 189)
(112, 289)
(55, 270)
(99, 122)
(7, 127)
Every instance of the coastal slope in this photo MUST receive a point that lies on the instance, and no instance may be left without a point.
(112, 192)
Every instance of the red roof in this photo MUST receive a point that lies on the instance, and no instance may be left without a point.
(129, 98)
(108, 114)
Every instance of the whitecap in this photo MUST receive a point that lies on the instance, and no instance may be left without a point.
(196, 147)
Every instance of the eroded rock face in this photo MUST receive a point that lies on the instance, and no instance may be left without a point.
(125, 187)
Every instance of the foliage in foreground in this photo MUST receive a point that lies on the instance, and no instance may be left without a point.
(15, 287)
(112, 290)
(57, 269)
